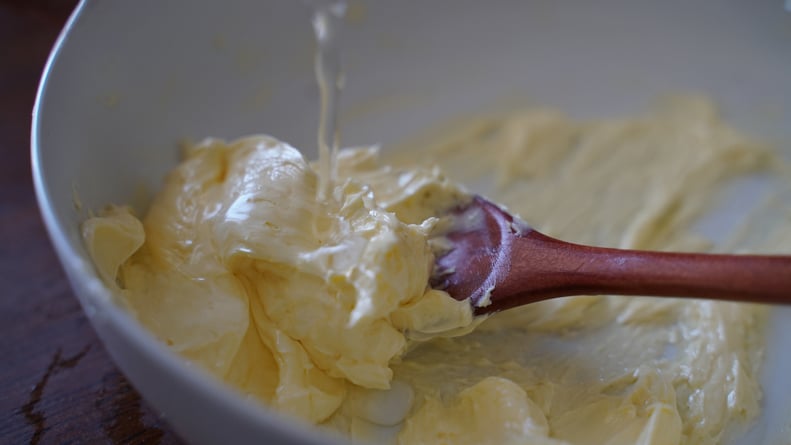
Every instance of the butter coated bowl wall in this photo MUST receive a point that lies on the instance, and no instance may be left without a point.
(128, 81)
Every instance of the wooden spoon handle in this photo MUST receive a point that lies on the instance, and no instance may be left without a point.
(543, 267)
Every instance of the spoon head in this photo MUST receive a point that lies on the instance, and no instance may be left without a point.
(475, 251)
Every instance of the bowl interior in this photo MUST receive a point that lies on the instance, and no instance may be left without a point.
(129, 81)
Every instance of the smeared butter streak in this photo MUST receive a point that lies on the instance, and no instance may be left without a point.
(615, 370)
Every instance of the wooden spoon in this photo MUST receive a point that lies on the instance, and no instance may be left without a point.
(499, 262)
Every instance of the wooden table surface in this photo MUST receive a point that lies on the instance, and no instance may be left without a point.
(57, 383)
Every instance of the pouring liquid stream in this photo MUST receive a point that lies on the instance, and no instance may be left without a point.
(327, 18)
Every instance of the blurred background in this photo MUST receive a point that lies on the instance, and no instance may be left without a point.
(57, 384)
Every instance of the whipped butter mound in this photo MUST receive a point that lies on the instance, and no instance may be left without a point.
(239, 268)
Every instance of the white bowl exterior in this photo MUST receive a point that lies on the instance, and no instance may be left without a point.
(128, 80)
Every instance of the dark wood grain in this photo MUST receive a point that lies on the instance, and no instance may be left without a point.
(57, 384)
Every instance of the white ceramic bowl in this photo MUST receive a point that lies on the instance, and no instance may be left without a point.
(128, 80)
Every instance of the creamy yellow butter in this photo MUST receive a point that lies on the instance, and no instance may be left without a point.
(614, 370)
(321, 309)
(238, 267)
